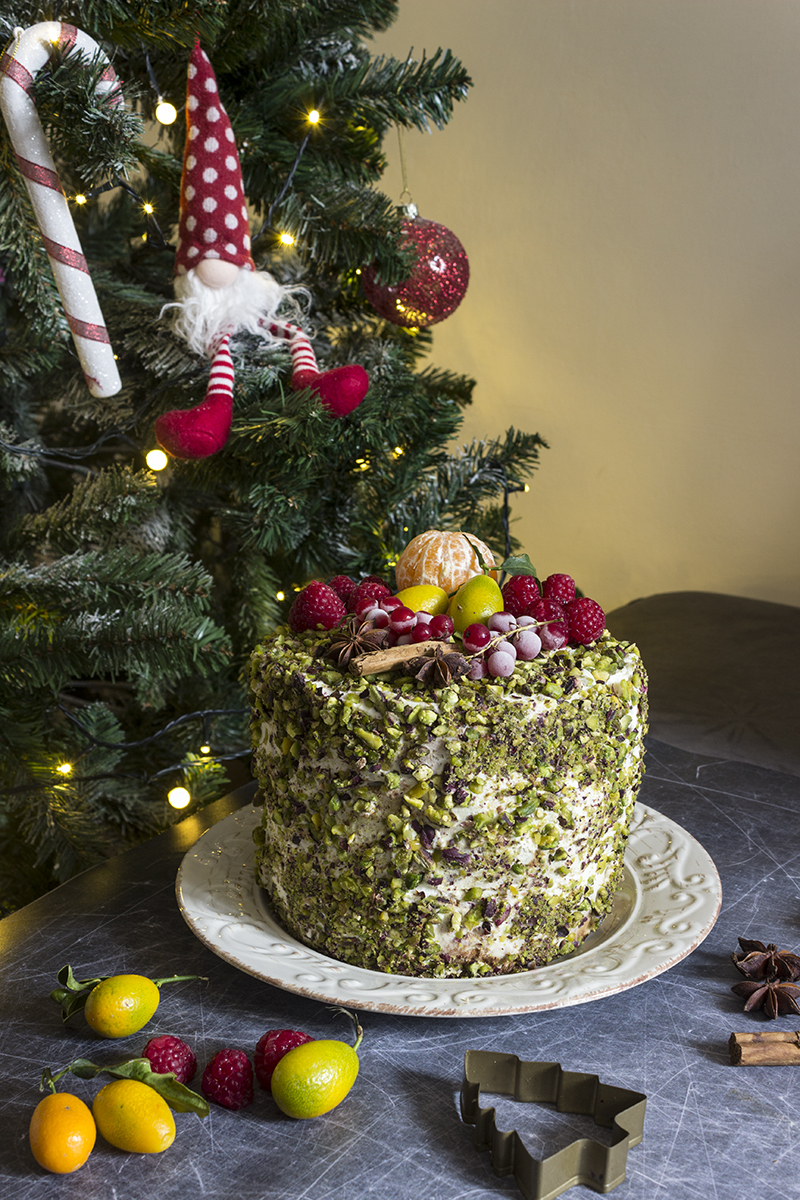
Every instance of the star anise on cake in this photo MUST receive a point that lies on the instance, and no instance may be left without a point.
(438, 669)
(351, 638)
(770, 977)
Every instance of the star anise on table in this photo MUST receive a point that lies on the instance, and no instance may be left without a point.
(777, 997)
(758, 961)
(770, 978)
(438, 669)
(350, 639)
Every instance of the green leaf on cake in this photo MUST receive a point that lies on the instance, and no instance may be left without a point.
(519, 564)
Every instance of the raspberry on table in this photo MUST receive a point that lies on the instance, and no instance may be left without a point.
(316, 607)
(168, 1054)
(519, 592)
(270, 1050)
(559, 587)
(585, 620)
(228, 1079)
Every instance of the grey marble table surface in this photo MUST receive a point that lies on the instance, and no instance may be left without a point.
(711, 1130)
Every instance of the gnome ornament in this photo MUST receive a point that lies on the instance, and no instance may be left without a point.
(218, 291)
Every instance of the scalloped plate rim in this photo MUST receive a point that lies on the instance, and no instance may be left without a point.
(217, 893)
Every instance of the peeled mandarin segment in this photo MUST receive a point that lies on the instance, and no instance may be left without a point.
(132, 1116)
(442, 558)
(62, 1133)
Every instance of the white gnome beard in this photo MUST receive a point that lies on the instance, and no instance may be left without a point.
(203, 315)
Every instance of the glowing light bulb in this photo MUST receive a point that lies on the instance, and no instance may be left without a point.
(179, 797)
(287, 239)
(398, 450)
(80, 198)
(205, 749)
(280, 595)
(166, 112)
(156, 460)
(64, 768)
(527, 487)
(313, 116)
(148, 208)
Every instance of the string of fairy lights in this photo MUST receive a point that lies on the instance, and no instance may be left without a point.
(179, 796)
(116, 439)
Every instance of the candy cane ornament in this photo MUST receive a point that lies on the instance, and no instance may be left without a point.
(25, 56)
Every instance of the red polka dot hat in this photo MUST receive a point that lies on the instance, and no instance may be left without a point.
(213, 220)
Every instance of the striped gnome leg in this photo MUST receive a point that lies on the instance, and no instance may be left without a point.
(340, 390)
(202, 431)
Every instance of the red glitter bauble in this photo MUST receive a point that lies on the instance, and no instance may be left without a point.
(435, 287)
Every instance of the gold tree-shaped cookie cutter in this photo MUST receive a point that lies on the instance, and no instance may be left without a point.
(584, 1161)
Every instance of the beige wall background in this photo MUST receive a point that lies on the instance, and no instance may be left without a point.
(625, 178)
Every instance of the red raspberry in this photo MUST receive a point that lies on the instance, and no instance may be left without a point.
(372, 588)
(586, 620)
(555, 633)
(228, 1079)
(169, 1054)
(375, 579)
(316, 607)
(271, 1049)
(344, 587)
(546, 610)
(560, 588)
(518, 592)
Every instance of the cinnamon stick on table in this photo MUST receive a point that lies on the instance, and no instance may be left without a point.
(778, 1049)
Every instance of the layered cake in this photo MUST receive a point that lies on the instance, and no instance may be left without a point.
(423, 822)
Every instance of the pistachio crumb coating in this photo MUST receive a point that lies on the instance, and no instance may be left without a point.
(476, 829)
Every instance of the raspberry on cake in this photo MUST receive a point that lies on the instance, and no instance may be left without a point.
(370, 588)
(519, 592)
(585, 620)
(475, 826)
(559, 587)
(344, 587)
(317, 606)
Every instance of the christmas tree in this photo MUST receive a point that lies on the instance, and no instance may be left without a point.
(130, 597)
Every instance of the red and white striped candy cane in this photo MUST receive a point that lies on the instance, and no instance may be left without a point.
(26, 55)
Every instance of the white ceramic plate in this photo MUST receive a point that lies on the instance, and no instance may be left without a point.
(667, 904)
